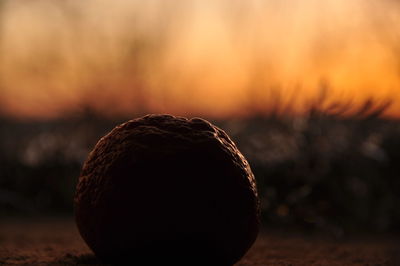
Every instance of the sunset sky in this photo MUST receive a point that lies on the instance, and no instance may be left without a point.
(215, 58)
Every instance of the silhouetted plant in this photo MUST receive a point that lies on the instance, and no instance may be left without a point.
(323, 171)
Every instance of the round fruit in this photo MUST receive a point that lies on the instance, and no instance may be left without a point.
(165, 189)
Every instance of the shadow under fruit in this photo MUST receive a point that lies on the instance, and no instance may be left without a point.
(165, 189)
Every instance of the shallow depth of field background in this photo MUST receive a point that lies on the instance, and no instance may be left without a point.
(309, 90)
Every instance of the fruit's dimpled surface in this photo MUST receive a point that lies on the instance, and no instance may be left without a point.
(167, 189)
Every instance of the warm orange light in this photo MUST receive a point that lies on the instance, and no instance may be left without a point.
(196, 57)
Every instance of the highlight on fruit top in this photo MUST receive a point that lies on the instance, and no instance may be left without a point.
(308, 90)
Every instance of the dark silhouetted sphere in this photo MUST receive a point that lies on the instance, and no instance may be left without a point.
(168, 190)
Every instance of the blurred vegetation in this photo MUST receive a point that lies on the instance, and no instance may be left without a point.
(316, 172)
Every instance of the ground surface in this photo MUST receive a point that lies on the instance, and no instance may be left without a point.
(57, 242)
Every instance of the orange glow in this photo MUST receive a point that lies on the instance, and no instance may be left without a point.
(196, 57)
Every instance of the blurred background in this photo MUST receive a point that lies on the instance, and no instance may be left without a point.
(309, 90)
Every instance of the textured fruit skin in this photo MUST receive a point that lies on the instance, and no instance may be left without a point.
(165, 189)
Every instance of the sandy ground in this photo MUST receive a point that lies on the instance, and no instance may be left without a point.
(57, 242)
